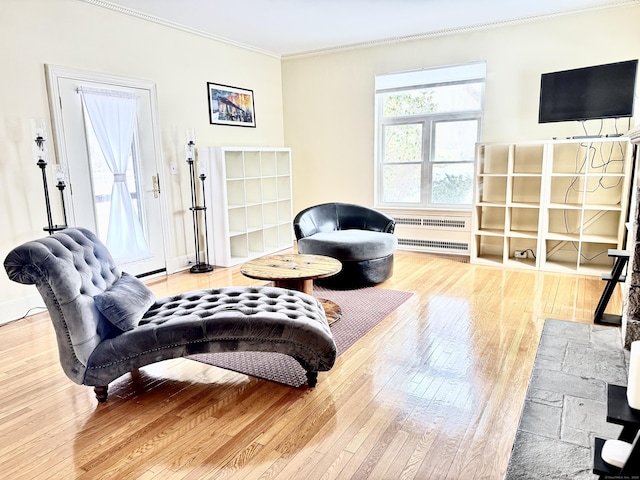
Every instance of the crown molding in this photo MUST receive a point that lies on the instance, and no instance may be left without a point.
(177, 26)
(354, 46)
(454, 31)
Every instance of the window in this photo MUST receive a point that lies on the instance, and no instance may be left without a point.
(428, 123)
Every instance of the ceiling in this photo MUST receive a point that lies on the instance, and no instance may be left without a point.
(293, 27)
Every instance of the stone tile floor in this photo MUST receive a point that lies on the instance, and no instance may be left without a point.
(565, 406)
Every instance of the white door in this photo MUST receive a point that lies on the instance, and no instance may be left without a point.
(89, 177)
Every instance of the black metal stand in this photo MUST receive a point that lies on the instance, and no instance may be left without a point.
(61, 185)
(200, 266)
(612, 279)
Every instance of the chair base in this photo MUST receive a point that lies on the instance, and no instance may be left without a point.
(360, 274)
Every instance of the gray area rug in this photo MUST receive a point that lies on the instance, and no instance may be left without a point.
(565, 406)
(362, 309)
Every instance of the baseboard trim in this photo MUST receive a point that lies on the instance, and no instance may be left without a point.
(19, 308)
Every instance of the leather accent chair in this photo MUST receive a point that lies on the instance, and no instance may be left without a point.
(360, 237)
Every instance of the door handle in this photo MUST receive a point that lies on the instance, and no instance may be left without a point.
(156, 186)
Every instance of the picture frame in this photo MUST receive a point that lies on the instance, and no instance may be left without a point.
(231, 105)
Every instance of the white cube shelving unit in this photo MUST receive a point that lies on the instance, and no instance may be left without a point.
(564, 202)
(249, 205)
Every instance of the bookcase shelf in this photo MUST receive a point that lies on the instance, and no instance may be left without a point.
(249, 196)
(564, 202)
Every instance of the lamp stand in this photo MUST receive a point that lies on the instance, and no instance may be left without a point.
(42, 164)
(200, 266)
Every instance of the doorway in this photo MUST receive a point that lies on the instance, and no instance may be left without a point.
(98, 190)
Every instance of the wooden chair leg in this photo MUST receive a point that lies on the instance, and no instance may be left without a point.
(101, 393)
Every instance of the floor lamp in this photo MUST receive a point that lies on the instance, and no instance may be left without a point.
(198, 212)
(40, 155)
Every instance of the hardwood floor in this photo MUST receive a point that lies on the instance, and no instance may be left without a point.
(433, 392)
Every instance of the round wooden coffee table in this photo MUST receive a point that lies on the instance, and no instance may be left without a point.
(296, 271)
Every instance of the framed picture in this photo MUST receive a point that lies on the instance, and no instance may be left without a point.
(230, 105)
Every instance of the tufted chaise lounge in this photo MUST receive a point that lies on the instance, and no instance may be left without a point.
(360, 237)
(80, 285)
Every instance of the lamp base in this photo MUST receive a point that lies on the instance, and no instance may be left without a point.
(54, 228)
(201, 268)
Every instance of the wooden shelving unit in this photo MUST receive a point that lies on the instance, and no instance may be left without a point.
(563, 202)
(250, 200)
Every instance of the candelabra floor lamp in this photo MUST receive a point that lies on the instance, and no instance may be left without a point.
(40, 153)
(198, 212)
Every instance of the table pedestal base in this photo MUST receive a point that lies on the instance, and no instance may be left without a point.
(332, 310)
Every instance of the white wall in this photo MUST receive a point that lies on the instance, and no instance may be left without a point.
(329, 99)
(75, 34)
(325, 113)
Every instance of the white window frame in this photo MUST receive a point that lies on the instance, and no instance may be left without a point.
(406, 81)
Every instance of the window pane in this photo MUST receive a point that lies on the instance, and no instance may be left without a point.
(455, 141)
(401, 183)
(445, 98)
(452, 184)
(410, 102)
(403, 143)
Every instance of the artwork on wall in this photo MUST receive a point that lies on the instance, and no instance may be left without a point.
(230, 105)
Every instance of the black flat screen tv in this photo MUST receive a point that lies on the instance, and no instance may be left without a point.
(601, 91)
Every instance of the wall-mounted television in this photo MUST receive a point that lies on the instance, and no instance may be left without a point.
(601, 91)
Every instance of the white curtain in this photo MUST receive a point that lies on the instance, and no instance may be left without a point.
(113, 116)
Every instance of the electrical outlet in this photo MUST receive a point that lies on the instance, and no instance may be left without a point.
(173, 168)
(520, 254)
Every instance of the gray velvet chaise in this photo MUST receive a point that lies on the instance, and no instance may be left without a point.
(108, 323)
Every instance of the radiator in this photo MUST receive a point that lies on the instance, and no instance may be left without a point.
(448, 233)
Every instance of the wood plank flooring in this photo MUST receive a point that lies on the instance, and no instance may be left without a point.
(433, 392)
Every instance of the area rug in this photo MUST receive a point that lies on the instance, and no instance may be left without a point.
(362, 309)
(565, 405)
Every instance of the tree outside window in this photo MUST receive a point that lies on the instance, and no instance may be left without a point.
(427, 136)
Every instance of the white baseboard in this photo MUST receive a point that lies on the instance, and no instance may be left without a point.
(20, 307)
(178, 264)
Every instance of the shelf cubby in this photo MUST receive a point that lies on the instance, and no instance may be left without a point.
(593, 257)
(564, 223)
(528, 159)
(491, 220)
(561, 255)
(253, 191)
(490, 249)
(492, 189)
(526, 190)
(271, 239)
(567, 190)
(239, 248)
(601, 225)
(523, 222)
(492, 159)
(234, 165)
(270, 214)
(284, 187)
(568, 157)
(252, 168)
(237, 220)
(269, 189)
(255, 243)
(235, 192)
